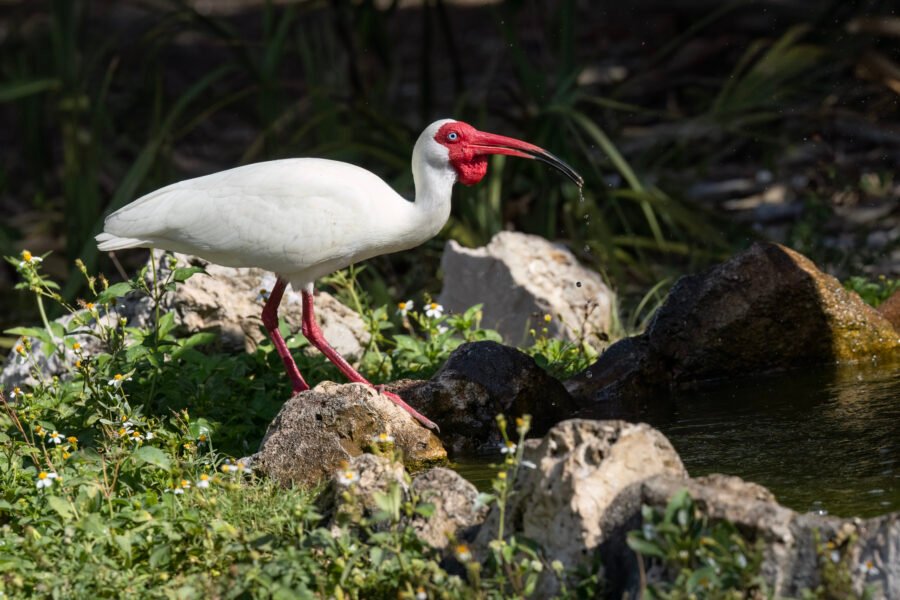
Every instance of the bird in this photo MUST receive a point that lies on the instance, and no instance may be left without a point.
(304, 218)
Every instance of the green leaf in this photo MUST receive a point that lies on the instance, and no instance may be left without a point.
(182, 274)
(160, 557)
(644, 547)
(153, 456)
(116, 290)
(22, 89)
(61, 506)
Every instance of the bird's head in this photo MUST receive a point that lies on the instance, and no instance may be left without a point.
(466, 150)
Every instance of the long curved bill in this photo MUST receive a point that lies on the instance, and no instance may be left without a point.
(490, 143)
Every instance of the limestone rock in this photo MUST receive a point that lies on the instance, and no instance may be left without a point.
(519, 278)
(317, 431)
(456, 514)
(768, 308)
(584, 486)
(791, 558)
(230, 300)
(481, 380)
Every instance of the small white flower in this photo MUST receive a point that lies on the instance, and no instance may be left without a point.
(185, 484)
(741, 561)
(348, 477)
(835, 556)
(868, 568)
(29, 259)
(383, 438)
(203, 482)
(177, 490)
(149, 435)
(434, 310)
(243, 467)
(463, 554)
(45, 479)
(404, 307)
(421, 594)
(117, 381)
(15, 393)
(136, 436)
(55, 438)
(442, 329)
(508, 448)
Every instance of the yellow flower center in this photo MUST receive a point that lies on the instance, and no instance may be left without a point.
(548, 318)
(402, 305)
(89, 306)
(185, 483)
(20, 349)
(434, 305)
(76, 346)
(501, 475)
(204, 477)
(118, 377)
(26, 256)
(42, 475)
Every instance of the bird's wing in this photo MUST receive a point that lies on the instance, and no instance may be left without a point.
(285, 216)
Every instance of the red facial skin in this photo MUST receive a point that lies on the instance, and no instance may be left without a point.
(468, 150)
(470, 165)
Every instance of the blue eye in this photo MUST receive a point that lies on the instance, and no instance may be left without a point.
(452, 136)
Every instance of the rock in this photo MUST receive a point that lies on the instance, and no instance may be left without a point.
(890, 309)
(456, 515)
(791, 556)
(229, 301)
(766, 309)
(592, 478)
(520, 278)
(317, 431)
(481, 380)
(584, 486)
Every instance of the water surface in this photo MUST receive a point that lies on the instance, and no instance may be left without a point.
(825, 440)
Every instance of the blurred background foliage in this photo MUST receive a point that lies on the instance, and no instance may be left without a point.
(699, 125)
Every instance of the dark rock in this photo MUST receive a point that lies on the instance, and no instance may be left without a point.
(890, 309)
(766, 309)
(319, 430)
(481, 380)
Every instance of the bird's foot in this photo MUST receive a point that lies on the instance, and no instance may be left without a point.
(425, 421)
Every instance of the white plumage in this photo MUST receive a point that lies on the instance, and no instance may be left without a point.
(303, 218)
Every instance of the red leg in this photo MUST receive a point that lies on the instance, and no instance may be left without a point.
(312, 332)
(270, 321)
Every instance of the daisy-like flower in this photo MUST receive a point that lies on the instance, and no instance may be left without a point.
(404, 307)
(869, 568)
(463, 554)
(421, 594)
(137, 437)
(203, 482)
(55, 438)
(228, 466)
(243, 467)
(76, 346)
(185, 484)
(348, 477)
(15, 393)
(117, 380)
(508, 448)
(29, 259)
(434, 310)
(202, 439)
(383, 438)
(65, 455)
(72, 440)
(45, 479)
(38, 430)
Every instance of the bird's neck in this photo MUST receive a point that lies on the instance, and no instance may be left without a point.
(434, 189)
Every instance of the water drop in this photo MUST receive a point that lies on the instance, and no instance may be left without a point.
(581, 194)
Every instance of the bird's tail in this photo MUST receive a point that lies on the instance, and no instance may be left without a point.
(108, 241)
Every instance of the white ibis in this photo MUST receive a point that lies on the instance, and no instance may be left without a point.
(307, 217)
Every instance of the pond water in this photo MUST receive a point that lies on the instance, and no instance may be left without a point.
(825, 440)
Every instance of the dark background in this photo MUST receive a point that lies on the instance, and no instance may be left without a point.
(699, 125)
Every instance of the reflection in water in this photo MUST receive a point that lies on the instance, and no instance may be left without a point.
(827, 440)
